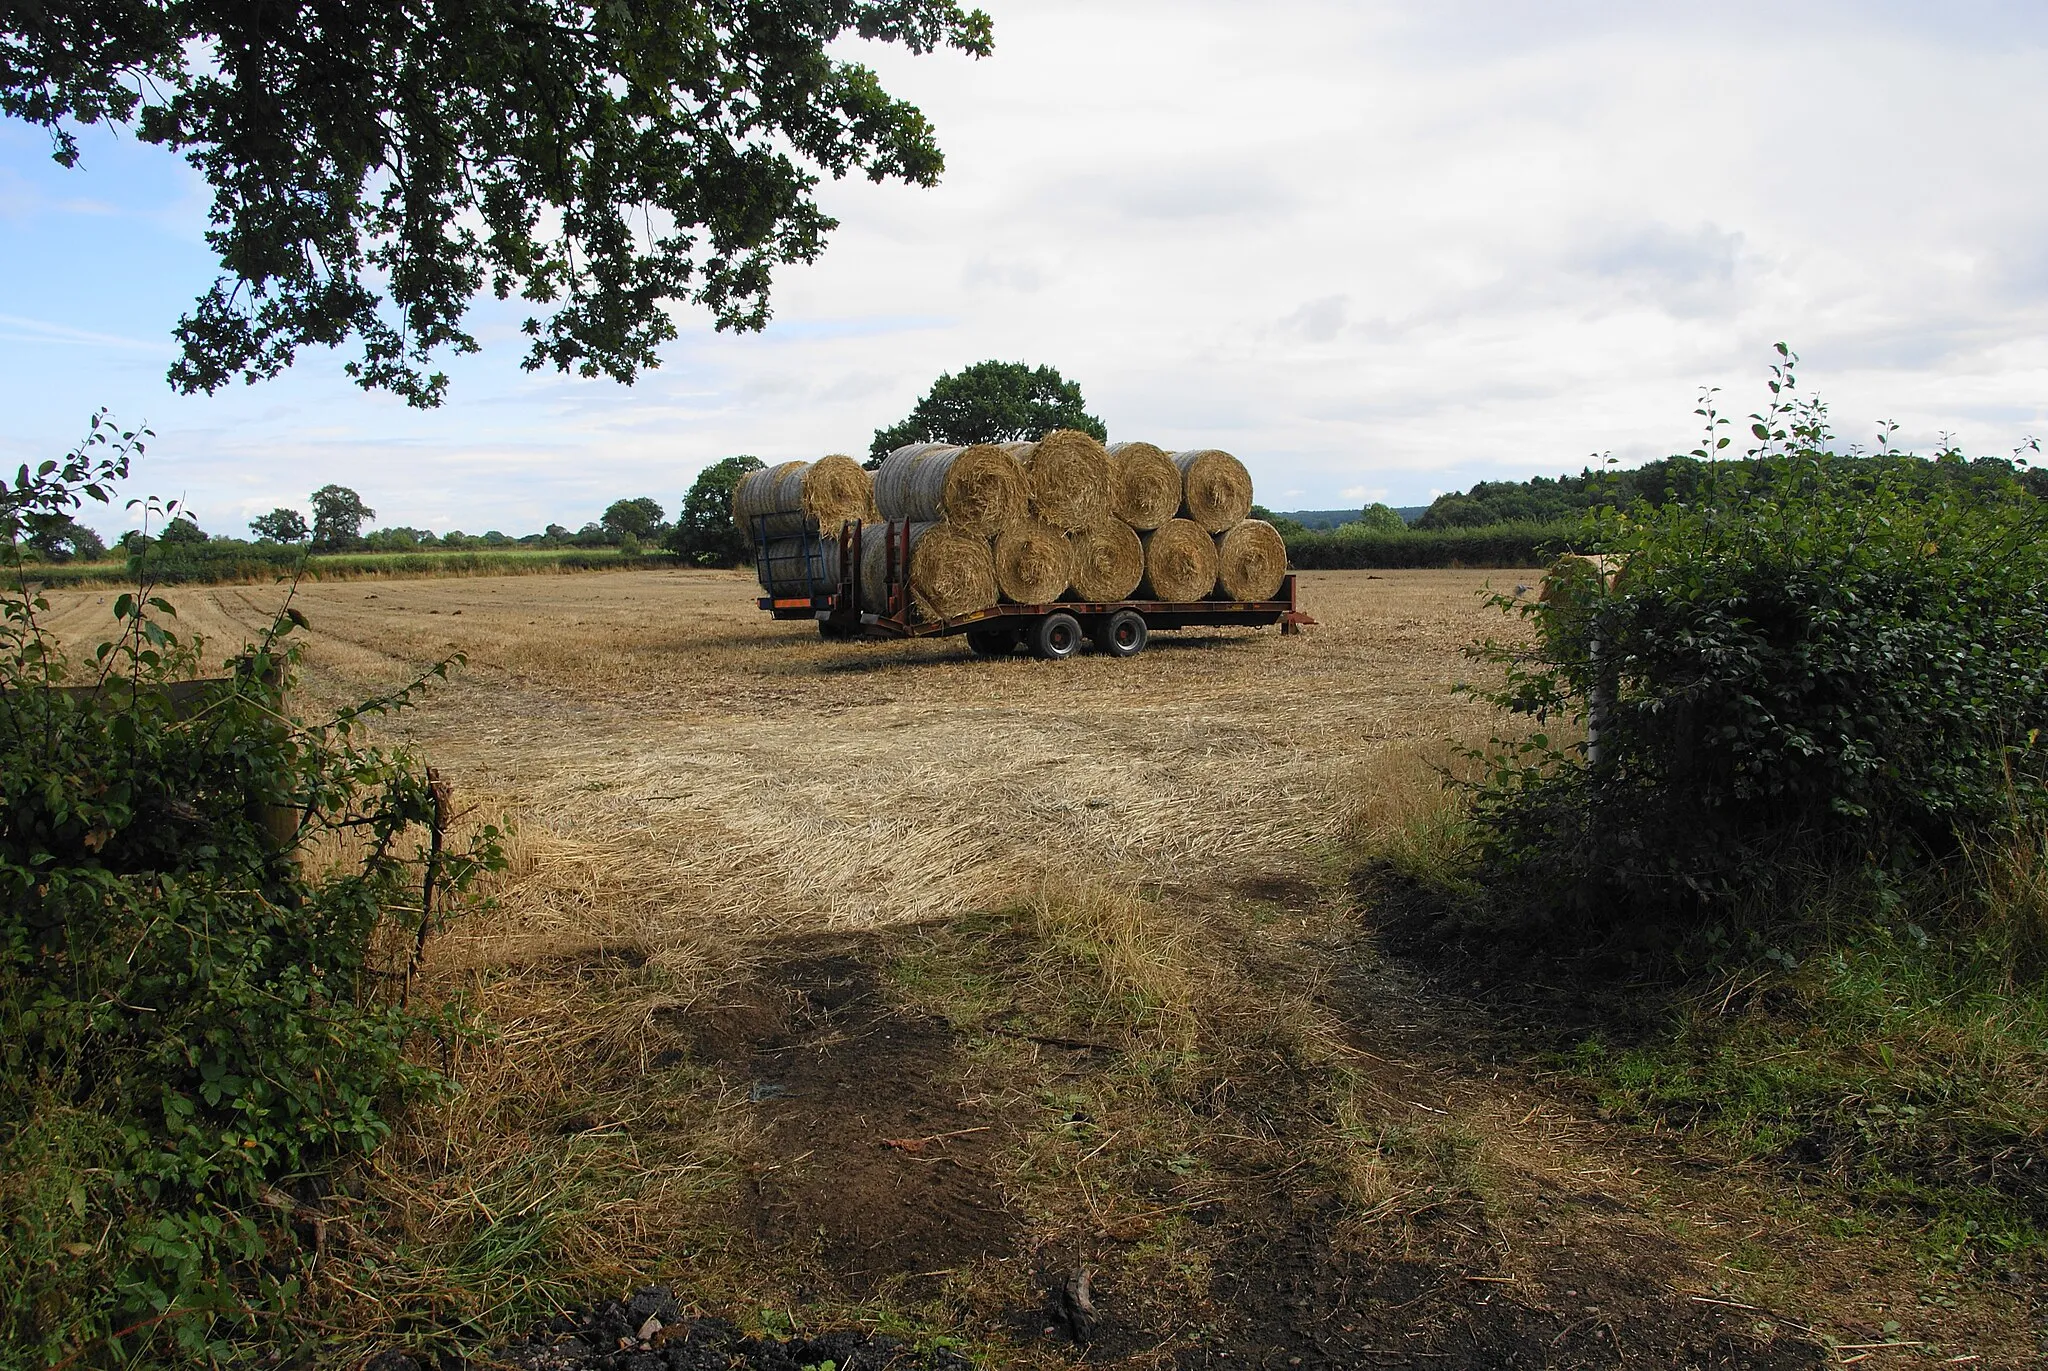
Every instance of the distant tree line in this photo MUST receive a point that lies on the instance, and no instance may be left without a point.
(702, 534)
(986, 402)
(1681, 480)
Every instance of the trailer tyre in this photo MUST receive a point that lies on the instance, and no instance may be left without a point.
(1123, 634)
(1056, 637)
(992, 642)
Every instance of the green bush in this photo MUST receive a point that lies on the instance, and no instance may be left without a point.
(197, 1013)
(1806, 666)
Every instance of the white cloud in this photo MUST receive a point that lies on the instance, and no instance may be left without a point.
(1370, 247)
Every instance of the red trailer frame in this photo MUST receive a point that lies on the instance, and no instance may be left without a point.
(840, 612)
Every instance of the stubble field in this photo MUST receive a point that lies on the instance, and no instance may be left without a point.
(876, 986)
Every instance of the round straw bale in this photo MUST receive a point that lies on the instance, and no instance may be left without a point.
(779, 566)
(1033, 561)
(1069, 479)
(759, 493)
(980, 487)
(1217, 489)
(892, 476)
(1180, 562)
(794, 497)
(838, 489)
(951, 571)
(1109, 561)
(1251, 561)
(1144, 484)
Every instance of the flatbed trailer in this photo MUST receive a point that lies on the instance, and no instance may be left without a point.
(1054, 631)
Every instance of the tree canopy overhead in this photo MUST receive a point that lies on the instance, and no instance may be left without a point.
(376, 164)
(991, 402)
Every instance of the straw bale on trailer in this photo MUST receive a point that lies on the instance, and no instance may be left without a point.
(1108, 561)
(893, 475)
(1180, 562)
(780, 567)
(894, 472)
(1251, 561)
(980, 487)
(1033, 561)
(1069, 479)
(1144, 484)
(796, 496)
(1217, 490)
(951, 570)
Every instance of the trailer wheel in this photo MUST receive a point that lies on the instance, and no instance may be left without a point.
(1122, 634)
(992, 642)
(1056, 637)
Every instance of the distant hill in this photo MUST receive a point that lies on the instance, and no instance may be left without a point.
(1331, 518)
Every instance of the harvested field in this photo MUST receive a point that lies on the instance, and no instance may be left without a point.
(845, 986)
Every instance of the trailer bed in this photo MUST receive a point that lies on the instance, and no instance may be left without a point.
(836, 605)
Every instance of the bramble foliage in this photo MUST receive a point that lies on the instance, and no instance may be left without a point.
(197, 1014)
(1808, 659)
(991, 402)
(377, 164)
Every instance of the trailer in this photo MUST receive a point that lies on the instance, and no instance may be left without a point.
(833, 598)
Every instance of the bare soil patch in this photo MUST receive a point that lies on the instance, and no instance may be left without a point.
(868, 1162)
(1304, 1297)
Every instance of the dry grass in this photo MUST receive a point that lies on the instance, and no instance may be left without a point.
(1149, 854)
(684, 771)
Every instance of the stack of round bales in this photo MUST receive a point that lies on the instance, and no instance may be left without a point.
(959, 500)
(792, 513)
(1066, 518)
(1251, 558)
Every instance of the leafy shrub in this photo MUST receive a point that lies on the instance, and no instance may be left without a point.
(1809, 664)
(197, 1014)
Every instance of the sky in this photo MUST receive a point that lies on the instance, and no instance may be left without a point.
(1379, 251)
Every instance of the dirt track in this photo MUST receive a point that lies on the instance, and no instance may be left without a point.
(799, 923)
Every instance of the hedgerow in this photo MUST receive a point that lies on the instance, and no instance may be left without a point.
(208, 909)
(1806, 664)
(1356, 548)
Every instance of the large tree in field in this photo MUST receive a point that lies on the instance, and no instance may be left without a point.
(338, 518)
(641, 518)
(990, 402)
(281, 526)
(705, 534)
(376, 164)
